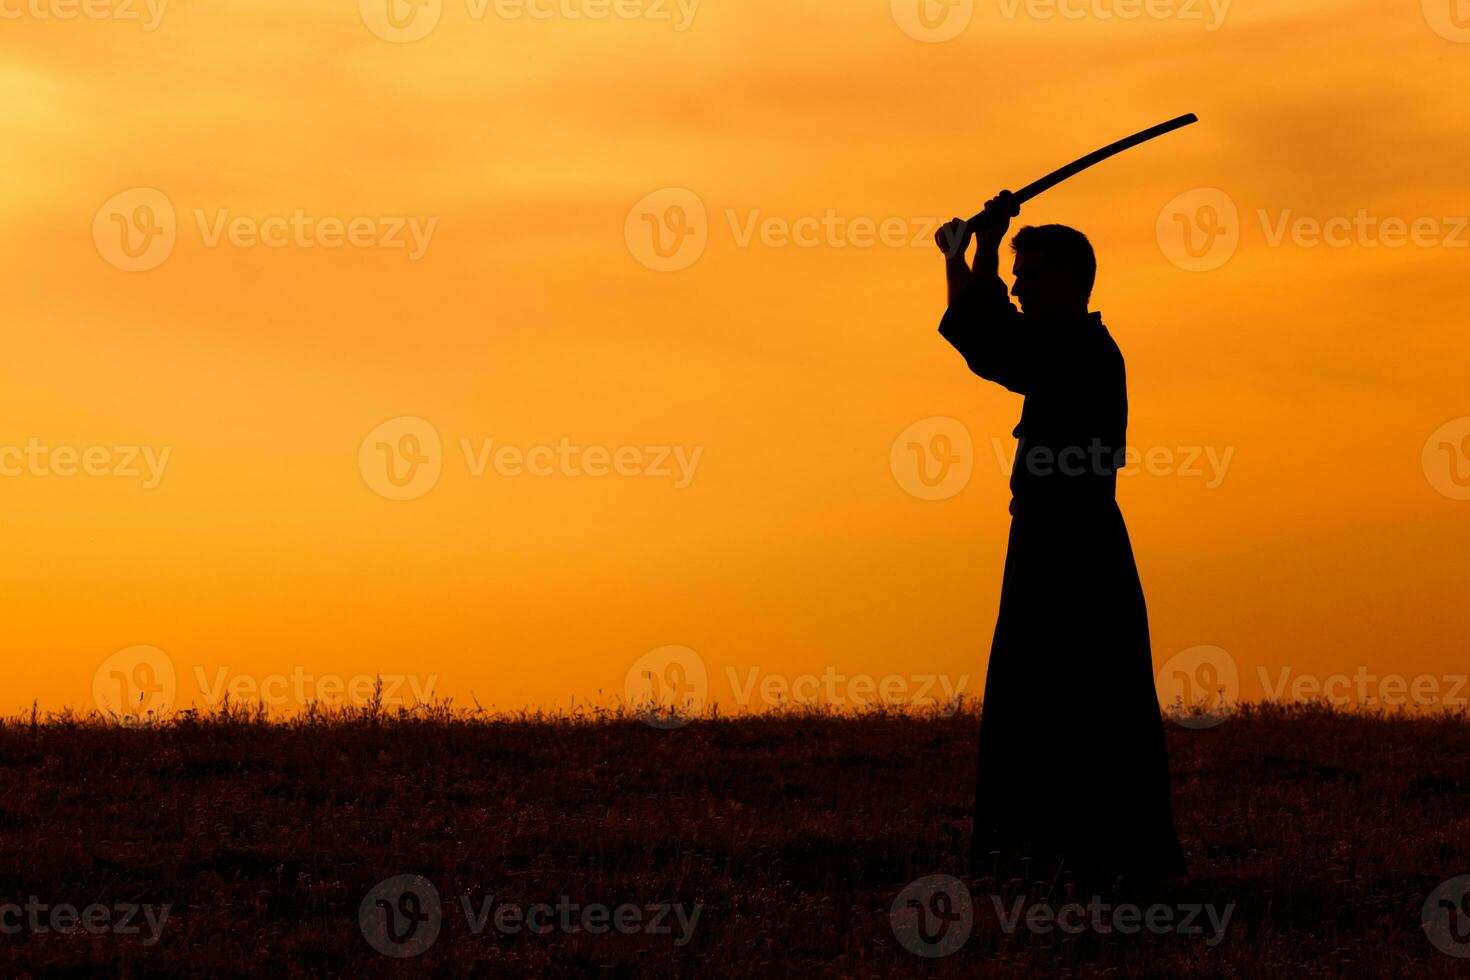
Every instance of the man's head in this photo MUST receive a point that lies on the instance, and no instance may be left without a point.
(1055, 270)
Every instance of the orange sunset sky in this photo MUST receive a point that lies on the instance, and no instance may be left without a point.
(1325, 375)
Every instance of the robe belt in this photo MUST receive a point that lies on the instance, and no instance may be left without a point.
(1062, 505)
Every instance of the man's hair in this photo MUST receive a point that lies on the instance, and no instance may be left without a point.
(1067, 247)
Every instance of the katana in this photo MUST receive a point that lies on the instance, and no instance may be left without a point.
(1097, 156)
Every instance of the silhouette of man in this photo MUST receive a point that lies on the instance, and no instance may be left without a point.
(1073, 772)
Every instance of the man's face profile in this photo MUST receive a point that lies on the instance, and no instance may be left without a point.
(1043, 289)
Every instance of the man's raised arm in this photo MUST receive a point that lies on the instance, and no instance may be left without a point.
(980, 322)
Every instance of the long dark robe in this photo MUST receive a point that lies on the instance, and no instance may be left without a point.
(1073, 771)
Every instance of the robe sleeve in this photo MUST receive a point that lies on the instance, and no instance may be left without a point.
(986, 329)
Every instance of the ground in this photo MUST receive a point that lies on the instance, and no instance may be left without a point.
(792, 836)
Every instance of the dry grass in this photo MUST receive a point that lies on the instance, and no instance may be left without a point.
(1327, 829)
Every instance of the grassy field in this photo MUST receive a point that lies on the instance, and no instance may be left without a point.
(773, 845)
